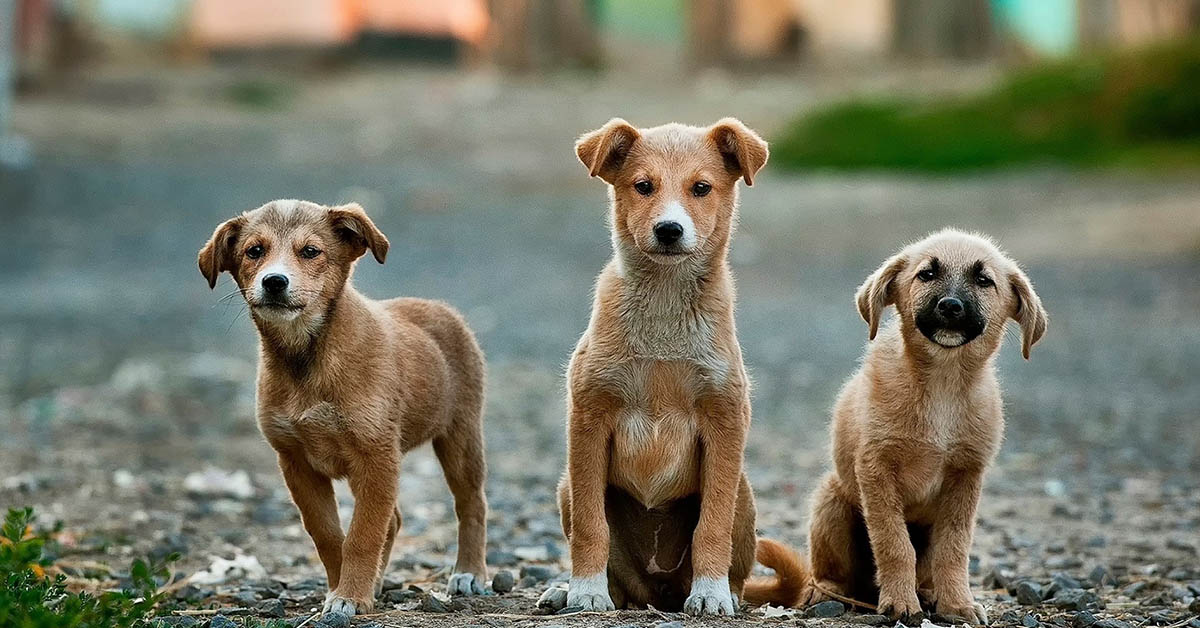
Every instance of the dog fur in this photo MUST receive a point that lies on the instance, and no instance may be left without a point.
(654, 500)
(347, 385)
(913, 432)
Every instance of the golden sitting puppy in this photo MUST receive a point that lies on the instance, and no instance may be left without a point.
(347, 385)
(654, 501)
(913, 432)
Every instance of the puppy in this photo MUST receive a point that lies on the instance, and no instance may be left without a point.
(348, 385)
(913, 431)
(654, 501)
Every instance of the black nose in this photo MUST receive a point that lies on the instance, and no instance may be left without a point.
(668, 232)
(275, 283)
(950, 307)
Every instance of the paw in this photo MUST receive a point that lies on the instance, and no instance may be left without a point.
(899, 605)
(971, 611)
(590, 593)
(554, 599)
(465, 584)
(710, 596)
(348, 606)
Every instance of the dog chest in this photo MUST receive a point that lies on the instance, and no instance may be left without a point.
(655, 452)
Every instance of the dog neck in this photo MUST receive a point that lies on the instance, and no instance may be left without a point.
(299, 345)
(671, 312)
(945, 369)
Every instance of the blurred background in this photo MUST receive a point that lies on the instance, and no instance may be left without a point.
(1067, 129)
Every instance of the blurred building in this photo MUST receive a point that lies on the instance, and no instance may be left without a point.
(543, 34)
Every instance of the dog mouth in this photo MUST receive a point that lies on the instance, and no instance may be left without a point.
(277, 307)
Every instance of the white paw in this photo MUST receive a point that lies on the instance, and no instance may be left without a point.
(464, 584)
(555, 598)
(710, 596)
(344, 605)
(590, 593)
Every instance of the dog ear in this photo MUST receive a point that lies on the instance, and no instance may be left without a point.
(218, 256)
(605, 149)
(875, 294)
(1028, 311)
(351, 223)
(743, 150)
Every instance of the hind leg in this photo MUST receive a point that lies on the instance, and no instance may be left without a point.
(830, 542)
(460, 450)
(386, 558)
(744, 538)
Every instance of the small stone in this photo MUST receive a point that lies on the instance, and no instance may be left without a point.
(270, 608)
(871, 620)
(1010, 618)
(1075, 600)
(973, 567)
(669, 624)
(502, 582)
(1135, 588)
(1083, 619)
(1178, 573)
(995, 579)
(179, 621)
(501, 558)
(246, 597)
(828, 608)
(1063, 562)
(1029, 621)
(1194, 607)
(1061, 581)
(431, 604)
(1097, 541)
(334, 619)
(1111, 623)
(537, 573)
(390, 583)
(396, 596)
(1029, 593)
(1101, 576)
(221, 621)
(1162, 617)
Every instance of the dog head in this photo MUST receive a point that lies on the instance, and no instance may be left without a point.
(954, 290)
(674, 187)
(291, 259)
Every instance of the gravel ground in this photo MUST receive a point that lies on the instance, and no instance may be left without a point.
(126, 389)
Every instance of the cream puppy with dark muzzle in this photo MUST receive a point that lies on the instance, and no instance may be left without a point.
(913, 432)
(654, 501)
(347, 385)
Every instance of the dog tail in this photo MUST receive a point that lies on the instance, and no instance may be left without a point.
(789, 581)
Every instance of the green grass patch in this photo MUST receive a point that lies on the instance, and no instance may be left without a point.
(1137, 109)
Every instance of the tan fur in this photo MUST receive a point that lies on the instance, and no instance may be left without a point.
(658, 397)
(913, 432)
(347, 385)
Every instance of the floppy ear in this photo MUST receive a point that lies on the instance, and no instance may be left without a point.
(1028, 312)
(875, 294)
(743, 150)
(351, 223)
(218, 255)
(605, 149)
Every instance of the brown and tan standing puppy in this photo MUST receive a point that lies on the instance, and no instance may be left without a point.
(654, 501)
(347, 385)
(913, 432)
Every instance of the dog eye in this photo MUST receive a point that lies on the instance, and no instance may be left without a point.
(701, 188)
(644, 187)
(929, 274)
(984, 281)
(255, 251)
(309, 252)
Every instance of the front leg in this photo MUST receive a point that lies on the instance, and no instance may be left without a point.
(723, 425)
(895, 558)
(373, 484)
(589, 431)
(950, 545)
(313, 494)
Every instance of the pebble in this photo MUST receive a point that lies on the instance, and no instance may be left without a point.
(178, 621)
(500, 558)
(1075, 600)
(1111, 623)
(502, 582)
(1083, 619)
(1101, 576)
(1029, 621)
(871, 620)
(1029, 593)
(995, 579)
(536, 573)
(1134, 589)
(828, 608)
(390, 583)
(431, 604)
(396, 596)
(669, 624)
(221, 621)
(333, 619)
(270, 608)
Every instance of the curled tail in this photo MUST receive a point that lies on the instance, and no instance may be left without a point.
(789, 581)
